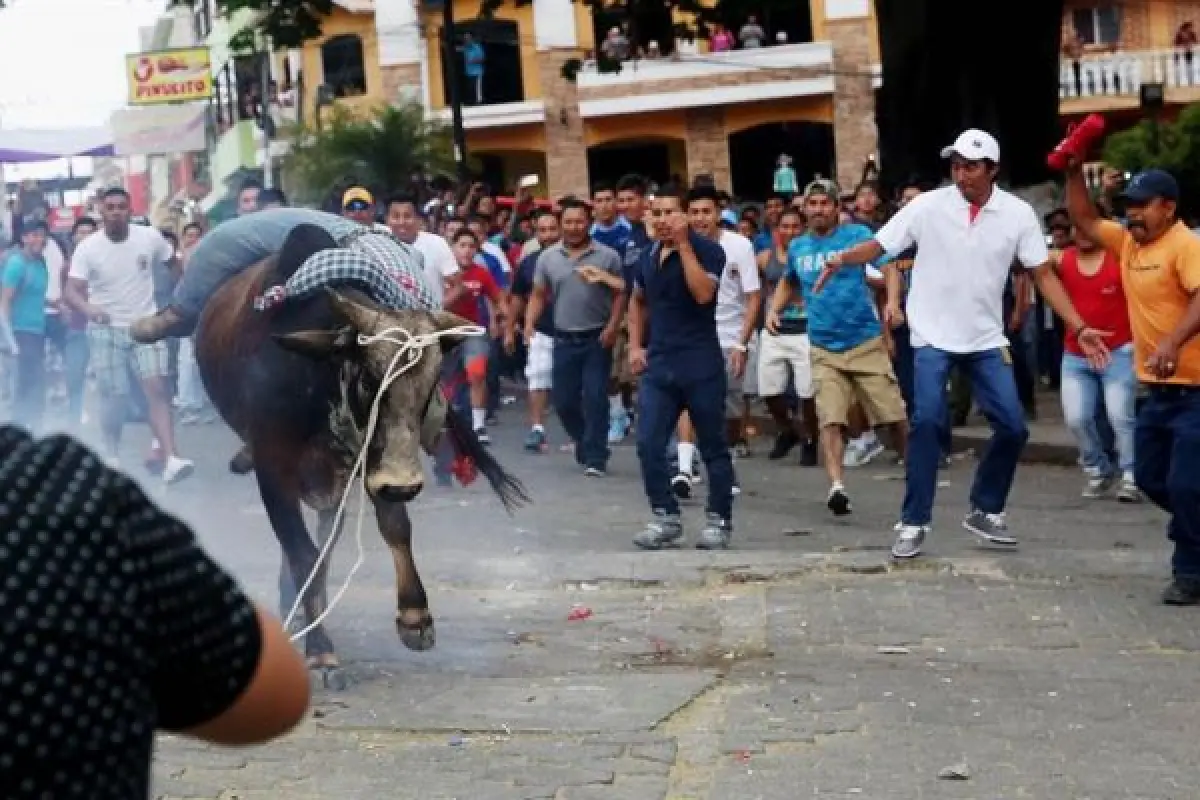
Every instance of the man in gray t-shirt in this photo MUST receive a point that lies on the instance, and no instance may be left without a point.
(579, 306)
(584, 278)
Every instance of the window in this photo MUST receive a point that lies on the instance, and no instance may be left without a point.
(1098, 25)
(342, 63)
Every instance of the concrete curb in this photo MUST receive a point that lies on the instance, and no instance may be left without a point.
(1035, 452)
(1054, 454)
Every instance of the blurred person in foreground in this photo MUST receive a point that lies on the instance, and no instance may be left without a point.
(1160, 273)
(123, 627)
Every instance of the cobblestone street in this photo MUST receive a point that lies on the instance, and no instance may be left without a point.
(800, 664)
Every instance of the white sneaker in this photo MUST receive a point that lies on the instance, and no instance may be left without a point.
(176, 469)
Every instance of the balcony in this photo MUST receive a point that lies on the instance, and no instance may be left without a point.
(705, 79)
(1113, 81)
(496, 115)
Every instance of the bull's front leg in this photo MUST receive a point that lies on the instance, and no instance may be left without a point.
(414, 623)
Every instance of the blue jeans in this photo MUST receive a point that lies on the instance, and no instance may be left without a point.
(662, 396)
(995, 392)
(904, 365)
(1167, 440)
(237, 245)
(580, 394)
(1082, 386)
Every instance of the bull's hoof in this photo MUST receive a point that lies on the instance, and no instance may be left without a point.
(242, 463)
(419, 637)
(333, 679)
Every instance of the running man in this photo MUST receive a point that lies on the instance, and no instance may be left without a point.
(849, 356)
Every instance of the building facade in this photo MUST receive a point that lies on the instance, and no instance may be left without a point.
(550, 102)
(1112, 48)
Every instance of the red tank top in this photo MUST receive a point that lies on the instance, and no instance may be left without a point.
(1099, 299)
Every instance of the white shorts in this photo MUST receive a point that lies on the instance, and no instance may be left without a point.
(539, 363)
(781, 358)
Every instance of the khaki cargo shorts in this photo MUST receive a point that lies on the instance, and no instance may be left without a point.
(862, 374)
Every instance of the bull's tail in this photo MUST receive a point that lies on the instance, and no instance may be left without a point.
(508, 487)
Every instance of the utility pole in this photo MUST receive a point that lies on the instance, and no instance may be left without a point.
(266, 122)
(453, 95)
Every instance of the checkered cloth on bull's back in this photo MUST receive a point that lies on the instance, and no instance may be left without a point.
(390, 272)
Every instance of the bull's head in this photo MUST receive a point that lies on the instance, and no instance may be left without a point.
(393, 466)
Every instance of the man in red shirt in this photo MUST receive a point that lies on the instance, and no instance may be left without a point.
(1091, 277)
(478, 286)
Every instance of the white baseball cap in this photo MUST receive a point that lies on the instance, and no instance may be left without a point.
(974, 145)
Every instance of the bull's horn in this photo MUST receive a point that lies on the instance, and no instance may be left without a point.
(448, 320)
(445, 320)
(359, 314)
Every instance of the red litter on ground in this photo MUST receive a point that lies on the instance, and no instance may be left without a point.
(579, 613)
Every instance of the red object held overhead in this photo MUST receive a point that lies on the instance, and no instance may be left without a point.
(1079, 141)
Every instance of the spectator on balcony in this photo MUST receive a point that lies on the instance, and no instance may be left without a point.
(616, 45)
(1072, 50)
(474, 58)
(752, 34)
(721, 40)
(1186, 40)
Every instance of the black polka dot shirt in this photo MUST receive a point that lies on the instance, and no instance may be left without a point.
(113, 623)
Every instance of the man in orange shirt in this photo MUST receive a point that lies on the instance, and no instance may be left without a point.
(1160, 269)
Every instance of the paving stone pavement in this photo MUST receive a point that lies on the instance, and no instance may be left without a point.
(800, 664)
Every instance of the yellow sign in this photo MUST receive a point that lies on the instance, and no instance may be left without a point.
(169, 76)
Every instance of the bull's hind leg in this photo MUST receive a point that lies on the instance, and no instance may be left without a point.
(287, 520)
(414, 623)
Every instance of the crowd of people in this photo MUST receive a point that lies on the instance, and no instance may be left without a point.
(666, 312)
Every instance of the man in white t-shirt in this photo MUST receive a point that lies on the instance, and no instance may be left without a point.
(111, 282)
(967, 236)
(738, 303)
(441, 268)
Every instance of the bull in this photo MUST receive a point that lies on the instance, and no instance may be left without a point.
(297, 383)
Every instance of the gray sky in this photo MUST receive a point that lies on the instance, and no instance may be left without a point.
(44, 83)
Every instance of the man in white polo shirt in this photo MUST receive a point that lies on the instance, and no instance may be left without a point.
(967, 235)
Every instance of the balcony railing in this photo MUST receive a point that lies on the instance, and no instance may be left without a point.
(1121, 74)
(811, 55)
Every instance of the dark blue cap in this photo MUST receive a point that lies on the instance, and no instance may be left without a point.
(1150, 184)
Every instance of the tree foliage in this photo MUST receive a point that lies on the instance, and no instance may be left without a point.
(1172, 146)
(285, 23)
(383, 150)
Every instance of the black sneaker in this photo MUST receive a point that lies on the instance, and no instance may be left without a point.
(992, 528)
(1182, 592)
(808, 454)
(681, 485)
(839, 501)
(784, 443)
(482, 435)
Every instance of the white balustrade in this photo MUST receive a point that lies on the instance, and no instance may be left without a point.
(1122, 73)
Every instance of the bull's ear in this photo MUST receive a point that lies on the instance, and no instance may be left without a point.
(318, 344)
(445, 321)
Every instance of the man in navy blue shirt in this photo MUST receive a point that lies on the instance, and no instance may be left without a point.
(683, 369)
